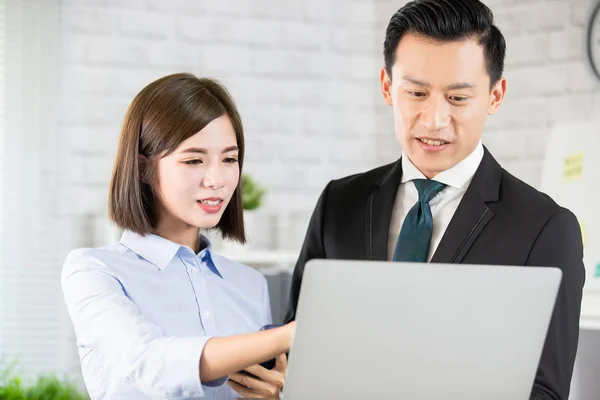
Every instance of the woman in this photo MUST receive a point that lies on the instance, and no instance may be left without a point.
(159, 314)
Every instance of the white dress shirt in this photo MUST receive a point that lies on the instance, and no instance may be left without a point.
(443, 205)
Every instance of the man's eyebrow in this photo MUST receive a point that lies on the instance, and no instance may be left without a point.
(416, 81)
(462, 85)
(454, 86)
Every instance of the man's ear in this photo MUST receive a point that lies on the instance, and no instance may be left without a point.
(497, 96)
(386, 84)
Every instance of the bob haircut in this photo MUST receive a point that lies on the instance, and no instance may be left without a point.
(165, 113)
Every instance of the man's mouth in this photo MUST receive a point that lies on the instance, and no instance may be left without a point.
(433, 142)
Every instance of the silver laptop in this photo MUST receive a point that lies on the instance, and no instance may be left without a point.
(382, 330)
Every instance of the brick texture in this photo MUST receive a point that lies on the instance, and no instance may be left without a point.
(305, 76)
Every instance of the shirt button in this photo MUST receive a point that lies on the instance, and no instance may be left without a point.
(206, 314)
(194, 271)
(186, 394)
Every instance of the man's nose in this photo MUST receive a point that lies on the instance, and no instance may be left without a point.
(436, 115)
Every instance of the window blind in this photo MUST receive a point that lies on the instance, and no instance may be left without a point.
(2, 179)
(31, 307)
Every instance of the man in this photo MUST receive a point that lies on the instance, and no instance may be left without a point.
(447, 200)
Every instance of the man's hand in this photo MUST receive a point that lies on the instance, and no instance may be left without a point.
(264, 384)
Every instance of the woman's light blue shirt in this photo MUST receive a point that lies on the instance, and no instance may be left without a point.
(144, 308)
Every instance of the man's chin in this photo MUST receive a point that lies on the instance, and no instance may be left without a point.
(432, 165)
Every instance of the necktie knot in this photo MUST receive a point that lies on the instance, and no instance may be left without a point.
(428, 189)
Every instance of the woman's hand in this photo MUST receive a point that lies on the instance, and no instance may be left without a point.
(264, 383)
(223, 356)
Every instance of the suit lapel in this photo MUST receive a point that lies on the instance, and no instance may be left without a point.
(472, 214)
(379, 212)
(467, 223)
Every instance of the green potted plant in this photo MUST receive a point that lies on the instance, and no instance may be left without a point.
(252, 199)
(46, 387)
(252, 193)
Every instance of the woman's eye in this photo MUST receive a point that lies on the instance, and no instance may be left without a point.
(231, 160)
(193, 162)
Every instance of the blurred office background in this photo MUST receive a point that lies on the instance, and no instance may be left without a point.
(305, 74)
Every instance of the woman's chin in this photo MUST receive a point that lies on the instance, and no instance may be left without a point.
(206, 222)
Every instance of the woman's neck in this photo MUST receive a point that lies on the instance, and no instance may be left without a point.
(186, 236)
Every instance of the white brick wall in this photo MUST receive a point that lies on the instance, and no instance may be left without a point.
(305, 76)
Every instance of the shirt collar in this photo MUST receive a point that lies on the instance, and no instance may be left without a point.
(160, 251)
(458, 176)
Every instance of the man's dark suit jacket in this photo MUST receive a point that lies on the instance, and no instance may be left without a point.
(500, 221)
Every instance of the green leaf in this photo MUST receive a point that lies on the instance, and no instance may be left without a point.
(47, 387)
(252, 193)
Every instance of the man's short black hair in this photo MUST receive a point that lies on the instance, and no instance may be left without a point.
(445, 21)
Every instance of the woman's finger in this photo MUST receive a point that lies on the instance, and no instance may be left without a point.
(271, 376)
(258, 385)
(243, 390)
(281, 363)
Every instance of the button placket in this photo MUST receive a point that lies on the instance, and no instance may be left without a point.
(192, 271)
(204, 305)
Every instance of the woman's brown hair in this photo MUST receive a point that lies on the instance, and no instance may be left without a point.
(164, 114)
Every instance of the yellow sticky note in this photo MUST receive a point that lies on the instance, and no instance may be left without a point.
(573, 167)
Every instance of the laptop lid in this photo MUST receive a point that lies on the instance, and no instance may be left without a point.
(377, 330)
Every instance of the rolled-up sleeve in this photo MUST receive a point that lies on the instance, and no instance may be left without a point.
(106, 320)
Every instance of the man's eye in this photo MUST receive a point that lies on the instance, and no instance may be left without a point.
(417, 94)
(458, 98)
